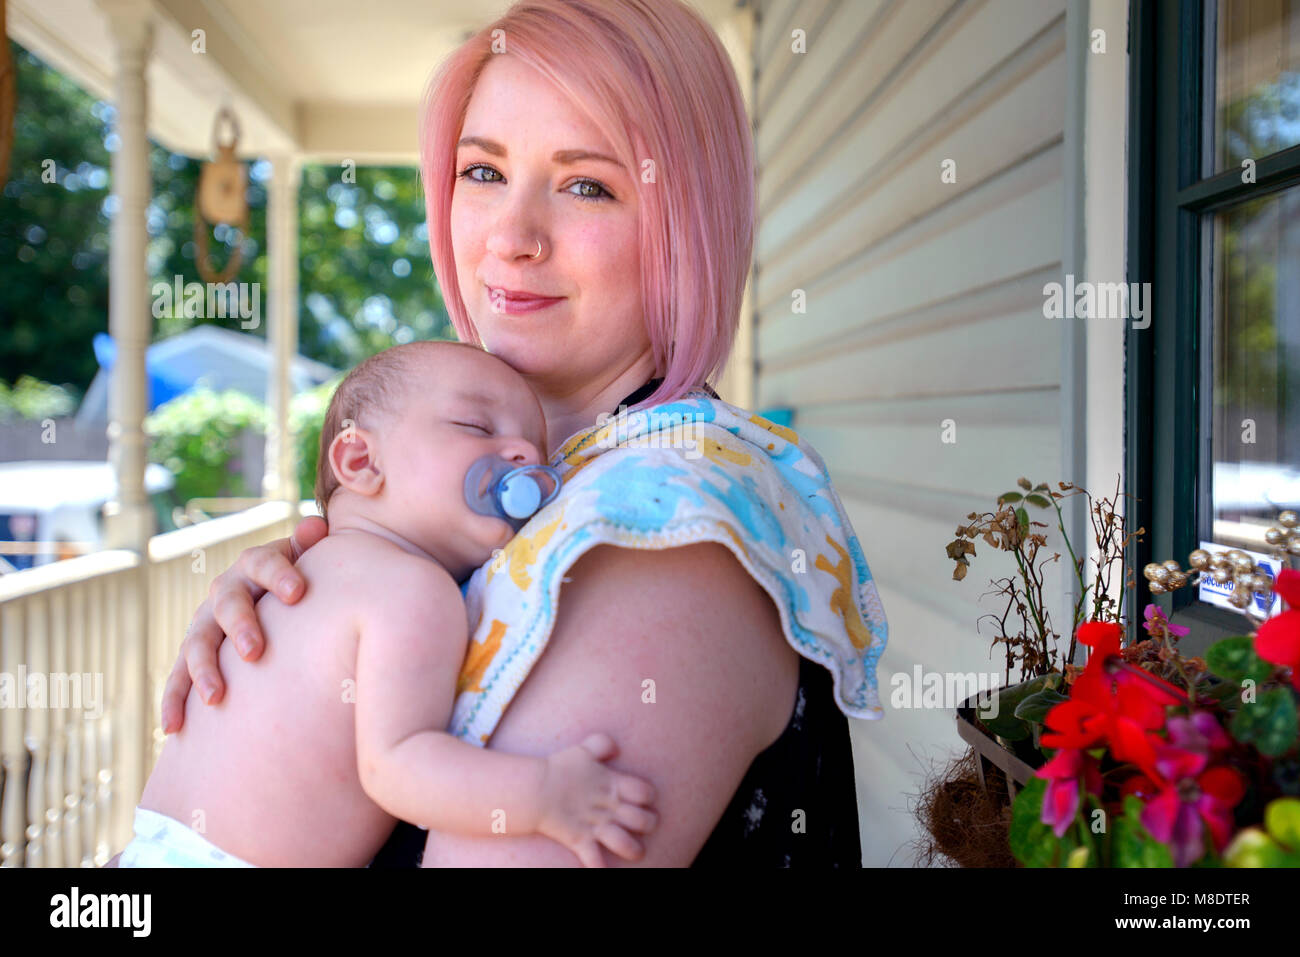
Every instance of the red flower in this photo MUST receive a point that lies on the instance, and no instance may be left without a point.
(1112, 701)
(1064, 773)
(1278, 639)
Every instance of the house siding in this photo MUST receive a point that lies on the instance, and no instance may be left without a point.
(923, 303)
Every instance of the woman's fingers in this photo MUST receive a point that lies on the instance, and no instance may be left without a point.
(270, 568)
(234, 614)
(231, 610)
(200, 652)
(235, 591)
(174, 694)
(309, 531)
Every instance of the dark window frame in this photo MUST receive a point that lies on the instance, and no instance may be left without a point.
(1167, 197)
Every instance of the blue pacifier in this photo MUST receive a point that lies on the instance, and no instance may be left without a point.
(496, 488)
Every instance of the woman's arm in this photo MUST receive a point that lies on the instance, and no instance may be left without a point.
(228, 610)
(692, 621)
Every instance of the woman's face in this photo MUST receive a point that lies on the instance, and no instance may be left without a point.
(512, 191)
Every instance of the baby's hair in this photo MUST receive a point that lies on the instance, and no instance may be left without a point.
(374, 390)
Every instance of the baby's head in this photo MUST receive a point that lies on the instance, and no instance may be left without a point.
(402, 431)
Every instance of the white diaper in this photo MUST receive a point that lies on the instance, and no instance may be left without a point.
(161, 841)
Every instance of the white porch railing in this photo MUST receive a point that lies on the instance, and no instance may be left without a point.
(85, 649)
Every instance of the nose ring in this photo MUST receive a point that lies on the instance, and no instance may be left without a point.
(539, 250)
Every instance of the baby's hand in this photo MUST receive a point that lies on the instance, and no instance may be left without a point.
(584, 803)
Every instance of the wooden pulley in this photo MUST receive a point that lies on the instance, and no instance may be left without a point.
(222, 199)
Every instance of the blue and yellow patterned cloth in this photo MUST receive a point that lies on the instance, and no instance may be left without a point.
(694, 470)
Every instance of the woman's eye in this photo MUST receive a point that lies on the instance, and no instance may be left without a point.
(601, 192)
(587, 189)
(465, 173)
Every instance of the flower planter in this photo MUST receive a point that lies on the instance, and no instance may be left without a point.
(991, 750)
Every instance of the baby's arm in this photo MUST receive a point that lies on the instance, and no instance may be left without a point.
(413, 637)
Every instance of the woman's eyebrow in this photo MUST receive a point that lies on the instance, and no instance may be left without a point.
(564, 157)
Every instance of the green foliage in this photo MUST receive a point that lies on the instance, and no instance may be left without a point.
(1234, 659)
(1132, 845)
(197, 436)
(1269, 722)
(365, 278)
(1277, 844)
(306, 417)
(1008, 724)
(30, 398)
(1032, 841)
(54, 235)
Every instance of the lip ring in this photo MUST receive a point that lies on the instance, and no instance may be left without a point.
(511, 295)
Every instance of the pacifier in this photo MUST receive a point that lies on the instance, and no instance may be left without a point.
(498, 489)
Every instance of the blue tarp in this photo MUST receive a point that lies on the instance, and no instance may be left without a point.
(163, 386)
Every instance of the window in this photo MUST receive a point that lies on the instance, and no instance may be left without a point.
(1212, 400)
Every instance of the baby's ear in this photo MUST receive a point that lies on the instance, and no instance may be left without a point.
(352, 456)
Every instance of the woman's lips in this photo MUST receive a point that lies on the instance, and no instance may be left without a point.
(514, 304)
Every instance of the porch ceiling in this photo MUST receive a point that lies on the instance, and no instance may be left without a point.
(329, 79)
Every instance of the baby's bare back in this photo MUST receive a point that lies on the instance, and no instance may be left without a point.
(270, 773)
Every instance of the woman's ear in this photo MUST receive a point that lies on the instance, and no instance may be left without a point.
(353, 455)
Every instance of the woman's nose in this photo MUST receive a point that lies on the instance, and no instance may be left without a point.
(517, 229)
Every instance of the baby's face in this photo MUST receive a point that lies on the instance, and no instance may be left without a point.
(463, 406)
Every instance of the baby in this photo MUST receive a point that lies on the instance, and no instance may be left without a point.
(339, 730)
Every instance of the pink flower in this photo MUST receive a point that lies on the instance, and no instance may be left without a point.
(1192, 797)
(1064, 773)
(1157, 625)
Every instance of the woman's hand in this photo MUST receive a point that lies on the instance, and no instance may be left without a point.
(228, 610)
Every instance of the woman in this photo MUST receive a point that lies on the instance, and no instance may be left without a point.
(589, 177)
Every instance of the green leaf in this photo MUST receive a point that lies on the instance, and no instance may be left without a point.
(1022, 517)
(1282, 818)
(1035, 707)
(1234, 659)
(1269, 723)
(1033, 842)
(1004, 722)
(1253, 848)
(1132, 844)
(1038, 500)
(1006, 497)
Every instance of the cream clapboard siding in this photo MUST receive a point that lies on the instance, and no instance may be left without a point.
(924, 303)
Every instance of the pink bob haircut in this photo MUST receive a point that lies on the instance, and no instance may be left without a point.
(656, 81)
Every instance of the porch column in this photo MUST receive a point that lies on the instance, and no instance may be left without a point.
(280, 475)
(129, 518)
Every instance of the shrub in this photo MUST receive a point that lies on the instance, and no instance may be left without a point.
(30, 398)
(198, 436)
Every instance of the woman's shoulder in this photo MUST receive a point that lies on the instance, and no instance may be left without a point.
(697, 469)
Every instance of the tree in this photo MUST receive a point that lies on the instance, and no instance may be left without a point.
(365, 278)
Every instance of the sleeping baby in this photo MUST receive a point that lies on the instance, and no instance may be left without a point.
(431, 458)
